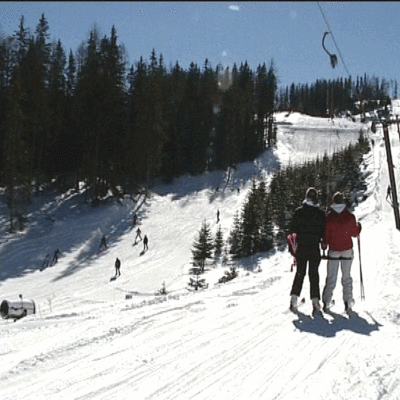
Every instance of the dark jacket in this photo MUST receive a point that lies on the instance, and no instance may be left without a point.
(308, 222)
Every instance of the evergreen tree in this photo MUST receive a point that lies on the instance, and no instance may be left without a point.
(56, 98)
(198, 282)
(16, 151)
(100, 113)
(153, 137)
(203, 247)
(261, 104)
(88, 107)
(270, 94)
(219, 244)
(173, 155)
(5, 71)
(236, 238)
(21, 41)
(134, 165)
(250, 223)
(34, 80)
(71, 74)
(112, 77)
(195, 136)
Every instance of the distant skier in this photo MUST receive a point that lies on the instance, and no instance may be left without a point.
(217, 216)
(134, 220)
(145, 243)
(117, 267)
(103, 242)
(138, 234)
(389, 194)
(55, 257)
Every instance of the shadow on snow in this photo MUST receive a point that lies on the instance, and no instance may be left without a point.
(323, 327)
(220, 184)
(69, 224)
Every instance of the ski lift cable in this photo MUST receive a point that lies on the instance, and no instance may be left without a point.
(333, 37)
(337, 47)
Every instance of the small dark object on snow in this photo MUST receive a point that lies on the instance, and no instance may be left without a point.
(103, 242)
(117, 267)
(55, 257)
(145, 243)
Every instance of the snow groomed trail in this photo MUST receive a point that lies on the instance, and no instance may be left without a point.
(232, 341)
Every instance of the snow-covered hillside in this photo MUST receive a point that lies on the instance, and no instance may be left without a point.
(92, 338)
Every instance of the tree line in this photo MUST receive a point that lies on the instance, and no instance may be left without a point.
(87, 120)
(327, 98)
(262, 222)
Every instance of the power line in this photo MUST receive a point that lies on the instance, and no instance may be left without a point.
(333, 37)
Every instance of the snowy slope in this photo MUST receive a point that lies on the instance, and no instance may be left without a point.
(231, 341)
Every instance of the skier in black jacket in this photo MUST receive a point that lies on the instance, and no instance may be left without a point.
(117, 267)
(308, 222)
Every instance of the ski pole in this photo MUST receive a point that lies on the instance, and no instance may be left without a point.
(361, 277)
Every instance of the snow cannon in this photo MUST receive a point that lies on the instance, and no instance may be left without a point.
(17, 309)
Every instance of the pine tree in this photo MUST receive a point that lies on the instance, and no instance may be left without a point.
(266, 234)
(219, 244)
(198, 282)
(203, 247)
(153, 137)
(71, 74)
(56, 99)
(250, 222)
(100, 113)
(16, 153)
(236, 238)
(135, 164)
(88, 109)
(173, 155)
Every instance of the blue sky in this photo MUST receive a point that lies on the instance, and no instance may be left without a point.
(289, 33)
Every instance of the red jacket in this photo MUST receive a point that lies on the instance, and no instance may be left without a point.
(339, 230)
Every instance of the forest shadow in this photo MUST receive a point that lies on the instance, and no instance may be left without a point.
(70, 225)
(220, 183)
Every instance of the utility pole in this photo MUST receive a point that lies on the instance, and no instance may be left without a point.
(398, 127)
(391, 174)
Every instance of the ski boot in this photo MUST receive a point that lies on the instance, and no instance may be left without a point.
(328, 305)
(294, 303)
(316, 307)
(348, 306)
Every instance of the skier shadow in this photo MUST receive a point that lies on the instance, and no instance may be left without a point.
(329, 328)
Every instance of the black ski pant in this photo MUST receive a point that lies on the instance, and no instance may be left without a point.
(312, 256)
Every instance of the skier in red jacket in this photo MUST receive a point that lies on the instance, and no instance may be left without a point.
(341, 227)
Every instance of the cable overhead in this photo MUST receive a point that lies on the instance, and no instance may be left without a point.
(334, 41)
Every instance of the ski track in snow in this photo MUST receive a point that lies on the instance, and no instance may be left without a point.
(232, 341)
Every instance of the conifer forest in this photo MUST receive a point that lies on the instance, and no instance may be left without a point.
(89, 120)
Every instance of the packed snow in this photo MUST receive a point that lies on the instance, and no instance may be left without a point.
(96, 338)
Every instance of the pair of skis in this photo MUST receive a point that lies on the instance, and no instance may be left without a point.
(320, 313)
